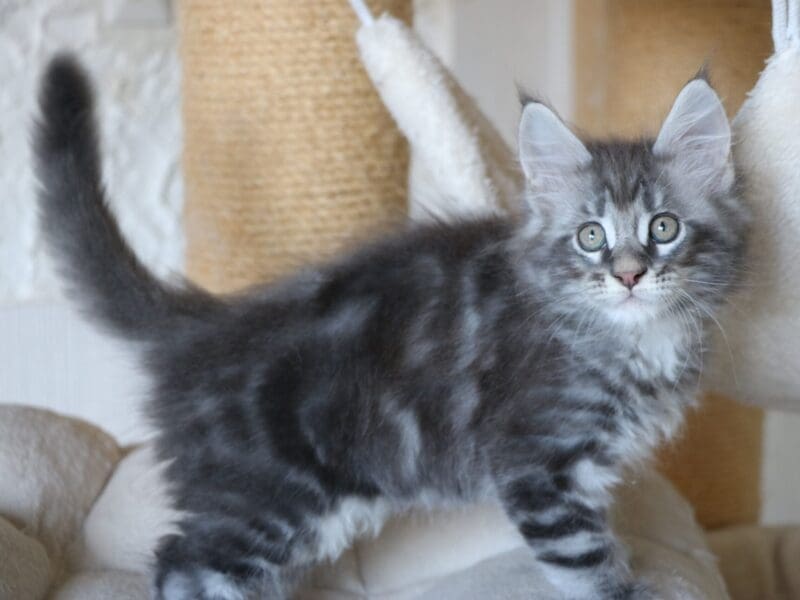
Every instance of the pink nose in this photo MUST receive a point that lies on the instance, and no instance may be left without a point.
(630, 278)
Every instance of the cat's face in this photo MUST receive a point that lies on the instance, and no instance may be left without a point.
(631, 233)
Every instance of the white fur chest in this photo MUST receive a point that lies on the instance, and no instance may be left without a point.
(659, 355)
(657, 419)
(660, 350)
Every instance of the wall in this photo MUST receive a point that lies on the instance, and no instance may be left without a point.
(505, 44)
(48, 356)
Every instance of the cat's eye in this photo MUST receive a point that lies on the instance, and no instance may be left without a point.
(591, 237)
(664, 228)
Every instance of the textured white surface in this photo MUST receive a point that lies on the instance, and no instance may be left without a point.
(762, 324)
(133, 58)
(461, 165)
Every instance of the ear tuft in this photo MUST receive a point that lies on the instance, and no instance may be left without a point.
(704, 74)
(548, 150)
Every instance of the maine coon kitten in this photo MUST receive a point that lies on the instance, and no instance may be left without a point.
(524, 359)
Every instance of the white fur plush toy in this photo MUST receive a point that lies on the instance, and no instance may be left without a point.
(758, 358)
(461, 165)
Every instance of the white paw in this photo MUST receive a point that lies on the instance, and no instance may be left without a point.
(200, 584)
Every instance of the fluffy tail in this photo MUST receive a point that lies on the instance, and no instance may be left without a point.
(102, 270)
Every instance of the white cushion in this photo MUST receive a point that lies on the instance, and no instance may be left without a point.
(475, 553)
(128, 518)
(757, 358)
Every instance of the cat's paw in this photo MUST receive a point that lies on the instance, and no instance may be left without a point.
(205, 584)
(198, 584)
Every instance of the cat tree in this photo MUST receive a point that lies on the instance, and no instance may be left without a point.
(289, 153)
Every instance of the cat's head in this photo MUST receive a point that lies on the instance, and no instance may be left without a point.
(635, 231)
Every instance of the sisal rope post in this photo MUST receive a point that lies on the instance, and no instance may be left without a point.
(632, 58)
(289, 154)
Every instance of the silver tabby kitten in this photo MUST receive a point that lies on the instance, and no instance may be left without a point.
(524, 359)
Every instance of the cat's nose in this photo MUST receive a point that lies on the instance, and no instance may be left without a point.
(630, 278)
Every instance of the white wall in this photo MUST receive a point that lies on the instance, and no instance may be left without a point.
(49, 357)
(494, 45)
(781, 475)
(505, 43)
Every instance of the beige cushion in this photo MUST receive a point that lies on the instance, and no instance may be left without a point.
(104, 585)
(52, 468)
(759, 563)
(24, 565)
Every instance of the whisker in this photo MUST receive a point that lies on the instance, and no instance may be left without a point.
(722, 331)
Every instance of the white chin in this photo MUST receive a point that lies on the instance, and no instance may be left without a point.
(632, 311)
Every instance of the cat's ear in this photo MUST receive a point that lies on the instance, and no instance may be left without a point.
(696, 136)
(549, 152)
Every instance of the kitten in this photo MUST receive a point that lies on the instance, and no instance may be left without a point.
(524, 359)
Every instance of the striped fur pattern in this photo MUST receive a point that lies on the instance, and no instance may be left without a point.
(486, 359)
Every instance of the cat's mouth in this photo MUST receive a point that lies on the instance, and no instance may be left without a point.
(627, 298)
(632, 306)
(635, 307)
(632, 299)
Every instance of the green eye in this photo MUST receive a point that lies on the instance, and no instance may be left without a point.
(664, 228)
(591, 237)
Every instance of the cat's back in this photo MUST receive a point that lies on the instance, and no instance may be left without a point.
(397, 272)
(326, 353)
(380, 292)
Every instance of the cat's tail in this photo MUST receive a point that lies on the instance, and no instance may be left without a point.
(83, 236)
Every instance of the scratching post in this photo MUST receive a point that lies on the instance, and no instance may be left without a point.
(632, 58)
(289, 153)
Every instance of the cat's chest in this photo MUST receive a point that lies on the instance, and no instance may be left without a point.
(649, 419)
(660, 352)
(652, 369)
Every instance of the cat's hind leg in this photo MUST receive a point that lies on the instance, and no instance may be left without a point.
(225, 557)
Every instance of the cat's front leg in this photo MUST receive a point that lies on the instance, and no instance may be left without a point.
(568, 532)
